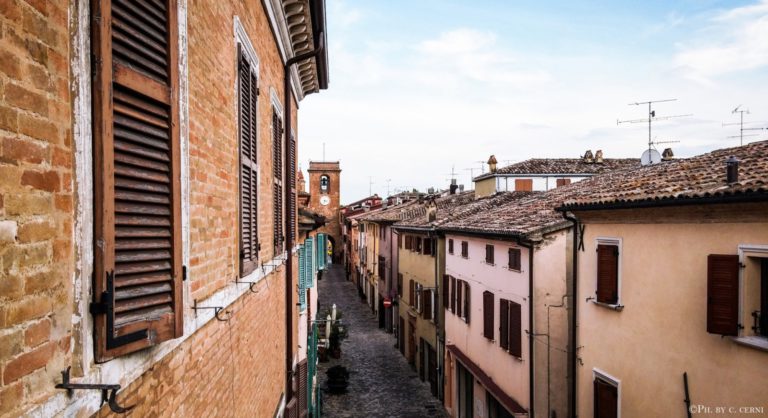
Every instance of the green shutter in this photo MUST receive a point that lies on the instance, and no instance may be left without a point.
(302, 280)
(310, 242)
(309, 274)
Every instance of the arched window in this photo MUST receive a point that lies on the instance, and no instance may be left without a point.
(325, 183)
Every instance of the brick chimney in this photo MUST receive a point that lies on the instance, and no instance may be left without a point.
(453, 187)
(599, 156)
(667, 155)
(492, 163)
(588, 157)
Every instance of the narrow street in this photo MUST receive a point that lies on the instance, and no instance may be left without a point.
(381, 383)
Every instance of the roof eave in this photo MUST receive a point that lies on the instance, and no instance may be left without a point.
(667, 202)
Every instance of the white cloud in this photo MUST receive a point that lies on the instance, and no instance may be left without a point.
(742, 44)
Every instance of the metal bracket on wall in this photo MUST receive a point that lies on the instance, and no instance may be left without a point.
(216, 311)
(250, 284)
(108, 392)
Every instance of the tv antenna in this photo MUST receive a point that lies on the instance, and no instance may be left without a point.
(370, 185)
(482, 166)
(650, 119)
(741, 135)
(388, 181)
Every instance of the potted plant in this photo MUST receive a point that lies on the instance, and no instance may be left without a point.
(337, 335)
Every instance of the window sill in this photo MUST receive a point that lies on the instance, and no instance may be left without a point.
(515, 270)
(753, 341)
(615, 307)
(490, 264)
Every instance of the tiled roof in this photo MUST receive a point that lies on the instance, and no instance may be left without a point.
(541, 166)
(700, 177)
(391, 213)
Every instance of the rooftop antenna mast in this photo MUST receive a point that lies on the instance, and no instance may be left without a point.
(482, 166)
(324, 153)
(741, 135)
(651, 118)
(388, 181)
(370, 185)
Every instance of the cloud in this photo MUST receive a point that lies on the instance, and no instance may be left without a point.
(742, 45)
(343, 14)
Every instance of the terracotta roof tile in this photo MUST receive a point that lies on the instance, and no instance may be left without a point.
(564, 166)
(453, 207)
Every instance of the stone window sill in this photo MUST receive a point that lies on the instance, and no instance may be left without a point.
(616, 307)
(753, 341)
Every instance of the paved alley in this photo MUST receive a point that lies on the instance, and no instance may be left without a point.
(381, 383)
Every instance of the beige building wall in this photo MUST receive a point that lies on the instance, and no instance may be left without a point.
(662, 330)
(485, 187)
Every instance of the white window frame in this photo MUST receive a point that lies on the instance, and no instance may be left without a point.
(745, 252)
(618, 306)
(602, 375)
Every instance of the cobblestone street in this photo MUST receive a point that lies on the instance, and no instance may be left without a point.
(381, 384)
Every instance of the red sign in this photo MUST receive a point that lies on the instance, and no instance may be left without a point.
(387, 302)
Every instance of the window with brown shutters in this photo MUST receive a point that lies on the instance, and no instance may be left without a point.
(412, 293)
(291, 175)
(515, 329)
(465, 249)
(303, 389)
(277, 192)
(504, 323)
(489, 254)
(606, 399)
(459, 300)
(247, 97)
(467, 300)
(137, 183)
(446, 291)
(562, 182)
(723, 294)
(523, 185)
(427, 311)
(450, 246)
(514, 262)
(408, 242)
(453, 294)
(488, 315)
(608, 274)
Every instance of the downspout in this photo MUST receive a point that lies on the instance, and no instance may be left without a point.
(572, 326)
(529, 245)
(288, 212)
(436, 317)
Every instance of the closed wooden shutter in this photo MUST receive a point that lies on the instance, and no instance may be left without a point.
(606, 399)
(303, 392)
(464, 249)
(488, 315)
(427, 297)
(453, 294)
(137, 189)
(515, 329)
(489, 254)
(408, 242)
(563, 182)
(514, 259)
(608, 274)
(467, 301)
(459, 300)
(277, 172)
(292, 409)
(523, 185)
(723, 294)
(412, 293)
(504, 323)
(450, 246)
(446, 291)
(247, 95)
(292, 189)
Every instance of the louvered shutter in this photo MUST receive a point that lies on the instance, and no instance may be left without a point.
(292, 409)
(450, 246)
(302, 280)
(606, 399)
(504, 323)
(308, 250)
(292, 185)
(400, 284)
(277, 192)
(467, 301)
(303, 392)
(399, 241)
(137, 204)
(489, 254)
(488, 315)
(608, 274)
(723, 294)
(247, 94)
(514, 259)
(524, 185)
(515, 329)
(412, 293)
(459, 300)
(446, 291)
(427, 296)
(453, 294)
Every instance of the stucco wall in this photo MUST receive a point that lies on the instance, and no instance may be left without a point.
(661, 331)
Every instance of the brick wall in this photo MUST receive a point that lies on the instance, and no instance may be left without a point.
(36, 200)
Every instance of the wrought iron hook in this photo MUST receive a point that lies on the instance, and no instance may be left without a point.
(108, 392)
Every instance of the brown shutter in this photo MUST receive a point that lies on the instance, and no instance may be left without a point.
(459, 300)
(427, 297)
(515, 329)
(608, 274)
(399, 241)
(504, 323)
(137, 182)
(412, 293)
(563, 182)
(467, 301)
(488, 315)
(303, 381)
(277, 172)
(446, 291)
(450, 246)
(489, 254)
(247, 94)
(523, 185)
(606, 399)
(292, 409)
(292, 185)
(723, 294)
(514, 259)
(453, 294)
(464, 249)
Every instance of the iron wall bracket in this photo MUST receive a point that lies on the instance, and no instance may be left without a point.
(108, 392)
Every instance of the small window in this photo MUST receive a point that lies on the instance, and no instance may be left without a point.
(450, 246)
(428, 246)
(524, 185)
(562, 182)
(465, 249)
(514, 259)
(608, 273)
(453, 294)
(489, 254)
(606, 398)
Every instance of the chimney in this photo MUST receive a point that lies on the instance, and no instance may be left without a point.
(588, 157)
(461, 188)
(599, 156)
(667, 155)
(492, 163)
(453, 187)
(732, 170)
(431, 210)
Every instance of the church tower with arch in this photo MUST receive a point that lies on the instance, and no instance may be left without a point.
(325, 199)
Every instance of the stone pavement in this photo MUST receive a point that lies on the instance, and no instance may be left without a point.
(381, 383)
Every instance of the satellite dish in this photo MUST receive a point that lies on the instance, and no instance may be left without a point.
(650, 156)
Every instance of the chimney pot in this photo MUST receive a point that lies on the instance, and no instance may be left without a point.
(732, 170)
(667, 154)
(599, 156)
(588, 157)
(492, 163)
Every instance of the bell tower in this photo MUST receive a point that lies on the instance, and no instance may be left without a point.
(325, 198)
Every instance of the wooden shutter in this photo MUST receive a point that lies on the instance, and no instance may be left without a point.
(247, 95)
(446, 291)
(515, 329)
(459, 300)
(563, 182)
(399, 241)
(606, 399)
(488, 315)
(489, 254)
(427, 297)
(277, 172)
(412, 293)
(514, 259)
(608, 274)
(504, 323)
(523, 185)
(453, 294)
(292, 409)
(723, 294)
(467, 300)
(292, 188)
(465, 249)
(450, 246)
(408, 242)
(303, 392)
(137, 182)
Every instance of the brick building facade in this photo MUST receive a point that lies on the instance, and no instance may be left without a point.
(127, 202)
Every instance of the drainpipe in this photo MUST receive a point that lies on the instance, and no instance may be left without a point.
(529, 245)
(572, 326)
(288, 212)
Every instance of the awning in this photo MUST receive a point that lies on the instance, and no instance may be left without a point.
(510, 404)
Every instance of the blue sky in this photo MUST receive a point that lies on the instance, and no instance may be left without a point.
(423, 86)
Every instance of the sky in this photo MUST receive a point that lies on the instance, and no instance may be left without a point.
(423, 88)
